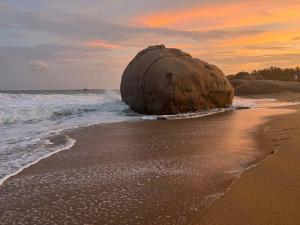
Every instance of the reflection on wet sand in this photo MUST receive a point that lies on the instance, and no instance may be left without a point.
(153, 172)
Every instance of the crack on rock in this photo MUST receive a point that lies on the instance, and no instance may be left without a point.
(148, 69)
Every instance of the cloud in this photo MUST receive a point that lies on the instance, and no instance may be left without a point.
(71, 67)
(266, 47)
(172, 17)
(89, 43)
(226, 14)
(95, 31)
(101, 44)
(295, 39)
(38, 65)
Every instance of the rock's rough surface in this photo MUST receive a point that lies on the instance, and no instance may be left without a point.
(163, 80)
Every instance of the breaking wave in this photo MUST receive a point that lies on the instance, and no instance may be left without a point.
(16, 108)
(31, 122)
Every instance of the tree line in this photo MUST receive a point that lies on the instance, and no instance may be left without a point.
(273, 73)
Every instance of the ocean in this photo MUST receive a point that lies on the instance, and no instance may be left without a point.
(29, 121)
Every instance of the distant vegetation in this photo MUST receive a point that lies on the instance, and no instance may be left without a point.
(272, 73)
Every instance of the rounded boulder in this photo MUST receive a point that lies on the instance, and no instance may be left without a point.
(162, 80)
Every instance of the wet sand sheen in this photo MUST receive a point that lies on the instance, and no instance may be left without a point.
(268, 193)
(152, 172)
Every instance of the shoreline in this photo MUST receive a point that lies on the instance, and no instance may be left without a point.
(87, 126)
(268, 192)
(68, 145)
(80, 128)
(43, 169)
(161, 117)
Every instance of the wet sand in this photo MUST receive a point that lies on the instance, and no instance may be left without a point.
(151, 172)
(270, 192)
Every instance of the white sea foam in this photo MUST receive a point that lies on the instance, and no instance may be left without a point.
(192, 115)
(70, 142)
(29, 119)
(259, 103)
(30, 108)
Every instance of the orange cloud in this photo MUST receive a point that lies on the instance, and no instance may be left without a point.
(213, 16)
(278, 43)
(166, 18)
(101, 44)
(277, 38)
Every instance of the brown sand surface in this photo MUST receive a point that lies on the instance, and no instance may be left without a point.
(268, 194)
(152, 172)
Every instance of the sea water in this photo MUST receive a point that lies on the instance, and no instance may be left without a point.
(30, 119)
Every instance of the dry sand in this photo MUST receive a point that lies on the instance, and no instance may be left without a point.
(268, 194)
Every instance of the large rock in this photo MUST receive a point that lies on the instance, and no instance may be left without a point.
(267, 86)
(243, 78)
(163, 80)
(237, 82)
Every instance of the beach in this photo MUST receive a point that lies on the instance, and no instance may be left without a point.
(268, 193)
(149, 112)
(166, 172)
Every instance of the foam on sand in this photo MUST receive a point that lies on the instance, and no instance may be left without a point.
(70, 143)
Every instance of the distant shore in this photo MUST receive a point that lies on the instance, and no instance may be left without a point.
(158, 172)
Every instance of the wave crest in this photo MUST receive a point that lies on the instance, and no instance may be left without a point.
(29, 108)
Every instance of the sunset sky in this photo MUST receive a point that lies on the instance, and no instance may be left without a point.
(65, 44)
